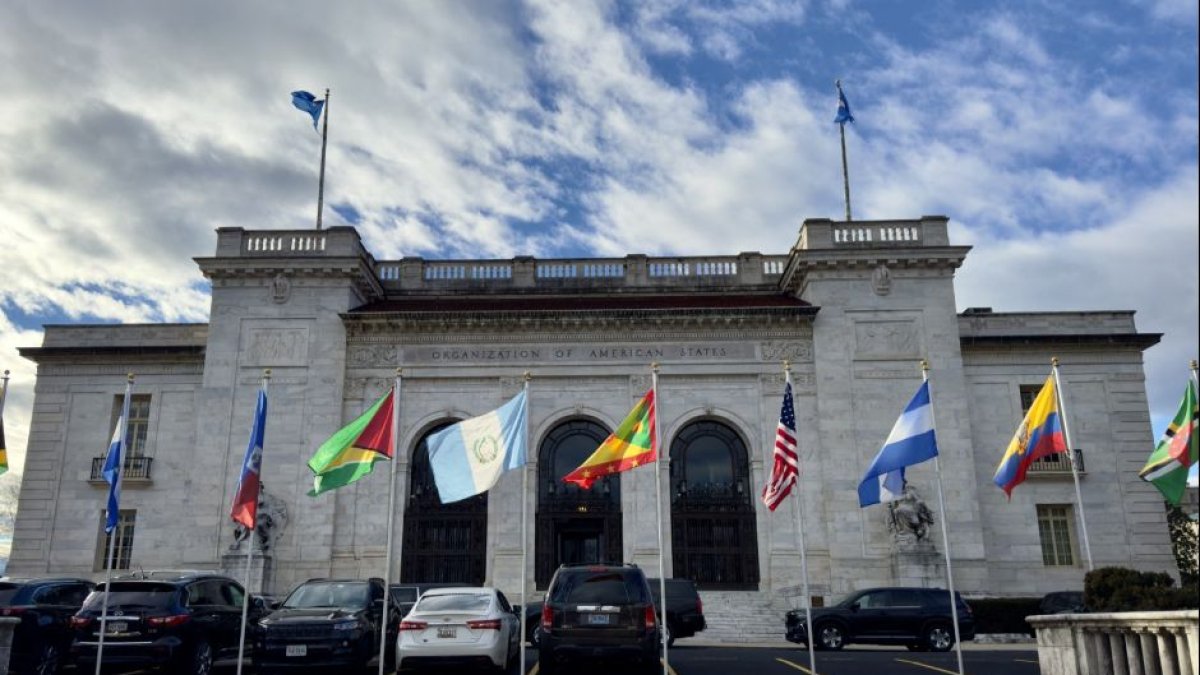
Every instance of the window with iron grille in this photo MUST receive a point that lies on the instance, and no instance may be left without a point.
(139, 423)
(1055, 528)
(1029, 392)
(123, 553)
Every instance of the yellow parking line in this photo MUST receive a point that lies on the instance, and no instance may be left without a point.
(799, 667)
(926, 665)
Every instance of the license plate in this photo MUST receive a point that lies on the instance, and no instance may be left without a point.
(117, 627)
(598, 619)
(447, 632)
(296, 650)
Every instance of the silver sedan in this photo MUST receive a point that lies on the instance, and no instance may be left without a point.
(462, 626)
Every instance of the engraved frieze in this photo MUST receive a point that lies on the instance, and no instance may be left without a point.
(886, 340)
(797, 351)
(372, 356)
(277, 346)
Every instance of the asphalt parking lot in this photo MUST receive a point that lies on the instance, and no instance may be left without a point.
(723, 660)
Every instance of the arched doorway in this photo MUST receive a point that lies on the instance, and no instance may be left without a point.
(443, 543)
(574, 525)
(714, 537)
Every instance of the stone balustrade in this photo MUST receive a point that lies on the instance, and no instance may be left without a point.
(1126, 643)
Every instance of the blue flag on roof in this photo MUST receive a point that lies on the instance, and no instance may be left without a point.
(912, 441)
(843, 109)
(309, 104)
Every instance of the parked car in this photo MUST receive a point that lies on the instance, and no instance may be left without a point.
(918, 618)
(533, 620)
(468, 626)
(184, 622)
(327, 624)
(598, 612)
(685, 610)
(45, 606)
(406, 595)
(1062, 602)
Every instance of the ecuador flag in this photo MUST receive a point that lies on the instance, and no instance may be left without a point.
(629, 447)
(1039, 435)
(351, 453)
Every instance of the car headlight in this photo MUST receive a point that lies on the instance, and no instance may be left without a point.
(352, 624)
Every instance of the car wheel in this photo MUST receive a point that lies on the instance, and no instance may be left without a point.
(830, 636)
(48, 660)
(938, 638)
(201, 662)
(670, 637)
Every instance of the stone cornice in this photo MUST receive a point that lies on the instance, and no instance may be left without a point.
(98, 354)
(355, 269)
(546, 326)
(1139, 341)
(805, 262)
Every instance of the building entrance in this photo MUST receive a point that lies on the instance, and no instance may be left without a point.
(574, 525)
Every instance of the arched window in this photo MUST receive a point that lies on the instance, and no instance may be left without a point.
(714, 537)
(574, 525)
(443, 543)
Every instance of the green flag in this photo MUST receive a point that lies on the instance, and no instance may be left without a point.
(1178, 450)
(351, 453)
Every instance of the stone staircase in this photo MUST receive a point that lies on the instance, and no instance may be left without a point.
(742, 617)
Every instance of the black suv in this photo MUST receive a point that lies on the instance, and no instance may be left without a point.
(918, 618)
(326, 624)
(184, 621)
(45, 607)
(598, 612)
(685, 611)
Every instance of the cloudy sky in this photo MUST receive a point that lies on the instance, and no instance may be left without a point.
(1060, 137)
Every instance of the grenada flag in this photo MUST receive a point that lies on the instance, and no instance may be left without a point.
(1178, 450)
(351, 453)
(629, 447)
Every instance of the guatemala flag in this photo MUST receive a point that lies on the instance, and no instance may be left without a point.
(245, 501)
(112, 469)
(469, 457)
(843, 108)
(309, 104)
(912, 441)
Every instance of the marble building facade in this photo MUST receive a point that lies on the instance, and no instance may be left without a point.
(853, 306)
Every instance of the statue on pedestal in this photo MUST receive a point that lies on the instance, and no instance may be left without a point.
(272, 517)
(909, 518)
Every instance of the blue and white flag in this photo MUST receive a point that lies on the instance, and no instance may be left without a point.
(469, 457)
(112, 470)
(843, 107)
(309, 104)
(912, 441)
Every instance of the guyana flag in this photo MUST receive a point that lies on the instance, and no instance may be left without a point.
(352, 452)
(1178, 450)
(3, 448)
(629, 447)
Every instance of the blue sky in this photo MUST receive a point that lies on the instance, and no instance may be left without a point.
(1059, 137)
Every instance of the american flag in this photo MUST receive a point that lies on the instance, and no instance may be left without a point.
(786, 467)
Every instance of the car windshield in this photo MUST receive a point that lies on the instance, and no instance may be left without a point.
(454, 602)
(140, 595)
(8, 592)
(599, 586)
(404, 594)
(675, 591)
(342, 594)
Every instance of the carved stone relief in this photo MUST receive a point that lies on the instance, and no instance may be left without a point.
(281, 289)
(371, 356)
(886, 339)
(794, 351)
(277, 346)
(881, 280)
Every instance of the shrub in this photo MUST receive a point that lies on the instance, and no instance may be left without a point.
(1003, 615)
(1120, 589)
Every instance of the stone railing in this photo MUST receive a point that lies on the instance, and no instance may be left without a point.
(1127, 643)
(418, 274)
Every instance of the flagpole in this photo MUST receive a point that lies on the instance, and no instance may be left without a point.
(524, 528)
(321, 180)
(796, 513)
(1062, 409)
(112, 538)
(266, 377)
(662, 576)
(845, 165)
(937, 468)
(391, 523)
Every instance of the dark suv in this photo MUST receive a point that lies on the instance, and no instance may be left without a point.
(685, 610)
(44, 606)
(326, 624)
(184, 621)
(598, 612)
(918, 618)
